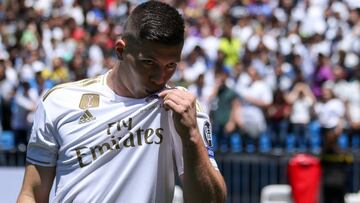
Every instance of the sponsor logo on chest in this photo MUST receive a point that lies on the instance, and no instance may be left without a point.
(119, 135)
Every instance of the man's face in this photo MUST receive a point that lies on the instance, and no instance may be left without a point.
(326, 93)
(149, 67)
(252, 73)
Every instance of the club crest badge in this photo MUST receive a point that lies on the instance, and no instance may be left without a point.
(89, 101)
(207, 133)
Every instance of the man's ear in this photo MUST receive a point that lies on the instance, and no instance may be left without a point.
(119, 48)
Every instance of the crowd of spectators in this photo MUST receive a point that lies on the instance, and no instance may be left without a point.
(272, 74)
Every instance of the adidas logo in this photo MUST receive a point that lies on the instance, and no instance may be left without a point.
(86, 117)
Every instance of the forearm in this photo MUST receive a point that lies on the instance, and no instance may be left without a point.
(37, 184)
(25, 198)
(202, 182)
(339, 129)
(29, 197)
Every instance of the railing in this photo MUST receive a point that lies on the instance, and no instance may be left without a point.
(245, 174)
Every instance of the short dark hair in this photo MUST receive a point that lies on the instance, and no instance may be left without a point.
(155, 21)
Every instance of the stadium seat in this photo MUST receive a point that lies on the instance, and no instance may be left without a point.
(315, 137)
(7, 140)
(276, 194)
(352, 197)
(290, 143)
(343, 141)
(236, 144)
(264, 143)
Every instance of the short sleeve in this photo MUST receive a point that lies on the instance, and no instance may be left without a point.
(43, 147)
(204, 125)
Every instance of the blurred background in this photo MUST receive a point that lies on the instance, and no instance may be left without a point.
(279, 79)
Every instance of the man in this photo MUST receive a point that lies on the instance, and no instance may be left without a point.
(120, 137)
(255, 96)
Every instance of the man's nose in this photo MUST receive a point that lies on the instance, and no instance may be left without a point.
(159, 77)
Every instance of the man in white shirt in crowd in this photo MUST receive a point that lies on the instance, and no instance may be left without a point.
(353, 109)
(120, 137)
(302, 101)
(330, 112)
(255, 96)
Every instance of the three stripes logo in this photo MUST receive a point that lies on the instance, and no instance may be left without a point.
(86, 117)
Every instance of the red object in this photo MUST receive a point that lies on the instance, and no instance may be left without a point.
(109, 3)
(304, 177)
(210, 4)
(78, 33)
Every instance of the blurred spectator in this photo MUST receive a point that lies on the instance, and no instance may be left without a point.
(195, 64)
(40, 84)
(95, 15)
(2, 78)
(8, 83)
(199, 90)
(264, 67)
(353, 110)
(23, 106)
(340, 84)
(302, 101)
(119, 10)
(323, 72)
(285, 73)
(209, 43)
(330, 112)
(255, 97)
(60, 72)
(242, 29)
(78, 64)
(278, 117)
(96, 57)
(223, 97)
(259, 7)
(230, 46)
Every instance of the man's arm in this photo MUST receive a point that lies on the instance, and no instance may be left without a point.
(37, 184)
(201, 181)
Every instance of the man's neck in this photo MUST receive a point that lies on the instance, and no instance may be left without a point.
(114, 81)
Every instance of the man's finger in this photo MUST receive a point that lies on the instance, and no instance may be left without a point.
(172, 105)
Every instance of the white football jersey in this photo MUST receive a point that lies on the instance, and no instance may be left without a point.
(108, 148)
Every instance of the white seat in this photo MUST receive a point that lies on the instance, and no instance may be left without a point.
(276, 194)
(352, 198)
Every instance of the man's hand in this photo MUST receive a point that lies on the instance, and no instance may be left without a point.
(183, 105)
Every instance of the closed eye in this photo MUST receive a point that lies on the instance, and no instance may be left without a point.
(172, 65)
(148, 62)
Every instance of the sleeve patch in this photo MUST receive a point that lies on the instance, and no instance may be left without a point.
(210, 152)
(207, 134)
